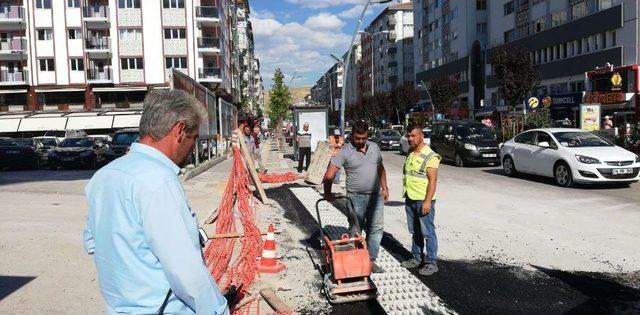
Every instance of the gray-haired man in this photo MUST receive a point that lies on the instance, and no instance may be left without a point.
(140, 228)
(304, 147)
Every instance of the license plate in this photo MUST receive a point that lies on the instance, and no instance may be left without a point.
(621, 171)
(67, 159)
(490, 155)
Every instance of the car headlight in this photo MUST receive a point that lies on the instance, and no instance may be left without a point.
(587, 159)
(470, 147)
(86, 153)
(384, 141)
(500, 146)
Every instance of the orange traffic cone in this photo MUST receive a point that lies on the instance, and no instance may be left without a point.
(269, 263)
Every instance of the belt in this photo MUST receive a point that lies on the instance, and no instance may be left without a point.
(363, 193)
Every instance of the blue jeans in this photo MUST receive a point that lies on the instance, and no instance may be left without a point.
(423, 230)
(369, 208)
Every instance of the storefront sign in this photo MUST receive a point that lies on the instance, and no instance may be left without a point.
(605, 98)
(590, 117)
(533, 102)
(562, 100)
(616, 82)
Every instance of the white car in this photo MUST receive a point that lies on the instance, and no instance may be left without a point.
(570, 156)
(404, 142)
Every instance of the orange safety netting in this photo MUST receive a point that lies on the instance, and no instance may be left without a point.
(237, 202)
(278, 178)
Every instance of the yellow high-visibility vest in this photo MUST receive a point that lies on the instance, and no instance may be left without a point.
(414, 175)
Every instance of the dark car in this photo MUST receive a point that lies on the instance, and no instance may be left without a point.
(19, 153)
(465, 142)
(122, 140)
(387, 139)
(80, 152)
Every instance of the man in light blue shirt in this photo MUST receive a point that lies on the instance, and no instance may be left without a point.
(140, 229)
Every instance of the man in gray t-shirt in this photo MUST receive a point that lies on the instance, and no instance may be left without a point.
(366, 185)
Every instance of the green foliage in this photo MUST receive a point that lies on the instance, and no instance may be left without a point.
(279, 99)
(515, 74)
(541, 118)
(444, 92)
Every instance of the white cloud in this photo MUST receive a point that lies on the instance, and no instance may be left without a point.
(355, 12)
(304, 48)
(266, 14)
(324, 21)
(320, 4)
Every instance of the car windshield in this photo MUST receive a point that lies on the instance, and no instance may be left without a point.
(125, 138)
(389, 133)
(55, 133)
(577, 139)
(27, 142)
(73, 143)
(7, 142)
(475, 132)
(48, 142)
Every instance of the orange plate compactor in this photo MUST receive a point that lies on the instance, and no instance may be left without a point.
(347, 268)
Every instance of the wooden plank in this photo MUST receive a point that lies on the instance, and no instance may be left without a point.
(275, 302)
(319, 162)
(249, 163)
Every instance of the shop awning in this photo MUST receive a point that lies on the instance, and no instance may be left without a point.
(59, 90)
(86, 123)
(126, 121)
(9, 125)
(43, 124)
(13, 91)
(120, 89)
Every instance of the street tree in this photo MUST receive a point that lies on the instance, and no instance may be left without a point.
(444, 93)
(515, 74)
(404, 97)
(279, 101)
(540, 118)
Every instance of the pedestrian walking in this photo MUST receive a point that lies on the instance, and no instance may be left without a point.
(253, 147)
(608, 123)
(366, 185)
(143, 236)
(420, 177)
(304, 147)
(336, 142)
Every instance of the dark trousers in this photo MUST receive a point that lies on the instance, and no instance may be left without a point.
(304, 154)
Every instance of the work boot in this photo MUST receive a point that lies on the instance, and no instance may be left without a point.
(375, 268)
(428, 269)
(411, 263)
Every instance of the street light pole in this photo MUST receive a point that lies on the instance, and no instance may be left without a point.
(347, 61)
(433, 107)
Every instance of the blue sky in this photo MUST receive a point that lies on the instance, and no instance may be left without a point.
(299, 35)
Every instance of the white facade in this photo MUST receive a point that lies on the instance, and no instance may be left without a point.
(109, 45)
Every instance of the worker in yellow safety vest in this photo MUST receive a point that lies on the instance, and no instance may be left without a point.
(420, 175)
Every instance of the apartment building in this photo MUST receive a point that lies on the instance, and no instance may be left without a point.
(568, 40)
(86, 54)
(387, 50)
(251, 86)
(328, 89)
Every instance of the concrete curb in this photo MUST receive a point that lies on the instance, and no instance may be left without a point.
(201, 168)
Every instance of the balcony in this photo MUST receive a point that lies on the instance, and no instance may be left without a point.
(99, 75)
(392, 20)
(12, 17)
(13, 77)
(96, 16)
(209, 45)
(207, 15)
(98, 46)
(392, 50)
(392, 64)
(392, 36)
(13, 49)
(207, 74)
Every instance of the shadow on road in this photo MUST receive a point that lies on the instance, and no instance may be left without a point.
(551, 181)
(10, 284)
(394, 203)
(17, 177)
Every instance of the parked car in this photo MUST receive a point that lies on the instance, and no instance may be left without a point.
(122, 140)
(404, 142)
(63, 134)
(465, 142)
(398, 128)
(18, 153)
(386, 139)
(569, 156)
(48, 144)
(85, 152)
(106, 139)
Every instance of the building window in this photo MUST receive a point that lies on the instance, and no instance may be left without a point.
(131, 64)
(481, 5)
(129, 4)
(47, 65)
(576, 86)
(508, 35)
(481, 28)
(176, 62)
(536, 2)
(45, 34)
(605, 4)
(558, 18)
(540, 24)
(613, 38)
(558, 88)
(175, 33)
(508, 8)
(579, 10)
(173, 4)
(75, 33)
(130, 34)
(43, 4)
(77, 64)
(73, 3)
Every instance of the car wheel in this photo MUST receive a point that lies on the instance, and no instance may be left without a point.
(508, 167)
(562, 174)
(459, 161)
